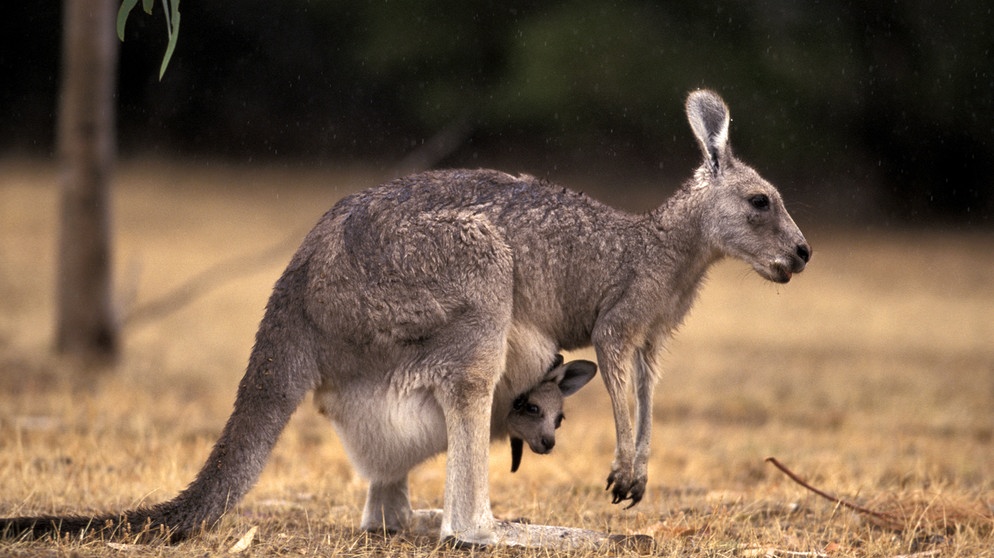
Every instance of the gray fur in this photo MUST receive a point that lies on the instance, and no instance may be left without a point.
(417, 307)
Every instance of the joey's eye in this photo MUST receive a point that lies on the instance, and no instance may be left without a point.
(519, 403)
(559, 420)
(760, 202)
(532, 409)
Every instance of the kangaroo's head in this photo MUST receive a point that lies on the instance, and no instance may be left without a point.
(536, 414)
(743, 215)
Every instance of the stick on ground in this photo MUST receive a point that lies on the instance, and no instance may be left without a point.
(887, 520)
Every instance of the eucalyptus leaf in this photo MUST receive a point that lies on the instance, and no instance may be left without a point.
(122, 15)
(171, 11)
(172, 28)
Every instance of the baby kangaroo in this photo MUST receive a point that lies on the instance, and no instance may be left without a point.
(536, 415)
(418, 310)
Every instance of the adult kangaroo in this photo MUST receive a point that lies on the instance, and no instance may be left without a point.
(419, 309)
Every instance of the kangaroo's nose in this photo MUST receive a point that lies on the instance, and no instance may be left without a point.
(803, 252)
(548, 444)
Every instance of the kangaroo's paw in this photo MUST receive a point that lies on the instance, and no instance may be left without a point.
(626, 486)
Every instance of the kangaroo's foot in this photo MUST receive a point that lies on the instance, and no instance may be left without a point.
(508, 533)
(388, 508)
(426, 522)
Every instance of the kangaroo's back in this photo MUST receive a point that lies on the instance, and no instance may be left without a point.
(566, 247)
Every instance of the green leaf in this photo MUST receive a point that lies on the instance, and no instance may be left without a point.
(122, 15)
(147, 6)
(172, 28)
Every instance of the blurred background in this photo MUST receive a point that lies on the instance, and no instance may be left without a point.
(862, 111)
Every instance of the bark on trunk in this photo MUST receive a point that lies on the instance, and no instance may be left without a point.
(86, 325)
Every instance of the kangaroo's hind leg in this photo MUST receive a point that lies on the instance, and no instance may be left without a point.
(388, 507)
(473, 353)
(466, 401)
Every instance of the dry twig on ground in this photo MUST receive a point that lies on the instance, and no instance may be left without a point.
(931, 518)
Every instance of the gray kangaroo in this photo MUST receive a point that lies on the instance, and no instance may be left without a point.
(417, 308)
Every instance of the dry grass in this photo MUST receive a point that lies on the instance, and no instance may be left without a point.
(871, 375)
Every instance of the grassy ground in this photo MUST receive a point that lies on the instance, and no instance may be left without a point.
(871, 375)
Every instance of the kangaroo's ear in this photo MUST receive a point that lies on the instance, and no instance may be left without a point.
(576, 374)
(708, 117)
(556, 371)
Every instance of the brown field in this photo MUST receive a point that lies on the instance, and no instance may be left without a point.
(871, 375)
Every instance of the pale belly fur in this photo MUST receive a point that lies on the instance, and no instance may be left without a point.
(386, 434)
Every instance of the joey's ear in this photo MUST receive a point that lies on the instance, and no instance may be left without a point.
(556, 371)
(517, 446)
(708, 117)
(576, 374)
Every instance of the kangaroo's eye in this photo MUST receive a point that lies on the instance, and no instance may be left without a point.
(519, 403)
(559, 420)
(760, 202)
(532, 409)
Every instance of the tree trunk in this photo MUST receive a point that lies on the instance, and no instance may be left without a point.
(86, 150)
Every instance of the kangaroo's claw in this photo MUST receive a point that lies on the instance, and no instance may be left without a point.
(624, 489)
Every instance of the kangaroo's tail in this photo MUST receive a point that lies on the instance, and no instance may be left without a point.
(281, 371)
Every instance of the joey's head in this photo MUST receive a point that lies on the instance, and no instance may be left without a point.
(742, 215)
(536, 414)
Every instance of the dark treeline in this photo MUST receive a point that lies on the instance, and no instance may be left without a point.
(869, 102)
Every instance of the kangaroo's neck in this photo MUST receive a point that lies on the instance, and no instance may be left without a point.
(682, 248)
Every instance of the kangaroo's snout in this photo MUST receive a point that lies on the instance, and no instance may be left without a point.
(545, 445)
(802, 255)
(791, 261)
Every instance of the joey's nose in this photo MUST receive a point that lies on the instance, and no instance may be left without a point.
(548, 444)
(803, 252)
